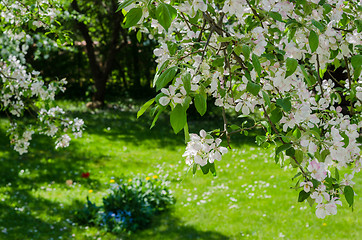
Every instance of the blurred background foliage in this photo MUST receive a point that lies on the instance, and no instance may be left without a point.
(105, 62)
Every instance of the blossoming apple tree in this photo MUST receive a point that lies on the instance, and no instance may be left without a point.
(22, 88)
(272, 61)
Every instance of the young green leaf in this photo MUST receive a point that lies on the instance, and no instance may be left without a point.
(132, 17)
(356, 61)
(303, 196)
(165, 14)
(186, 80)
(212, 169)
(156, 117)
(306, 76)
(124, 4)
(256, 64)
(145, 107)
(139, 36)
(292, 65)
(282, 148)
(336, 174)
(276, 115)
(349, 195)
(200, 103)
(318, 25)
(166, 77)
(253, 88)
(178, 118)
(276, 16)
(285, 104)
(266, 98)
(205, 168)
(313, 40)
(246, 51)
(194, 168)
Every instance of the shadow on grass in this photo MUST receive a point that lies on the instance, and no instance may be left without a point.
(118, 125)
(44, 167)
(20, 217)
(166, 226)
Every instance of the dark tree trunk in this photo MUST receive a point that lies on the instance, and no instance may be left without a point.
(136, 69)
(101, 70)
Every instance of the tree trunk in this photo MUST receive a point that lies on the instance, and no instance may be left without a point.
(101, 71)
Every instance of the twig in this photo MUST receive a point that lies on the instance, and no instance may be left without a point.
(187, 22)
(202, 30)
(255, 13)
(340, 29)
(319, 77)
(225, 127)
(350, 84)
(333, 78)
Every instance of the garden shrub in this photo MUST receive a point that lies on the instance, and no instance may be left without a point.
(130, 205)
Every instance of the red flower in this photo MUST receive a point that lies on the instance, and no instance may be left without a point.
(85, 175)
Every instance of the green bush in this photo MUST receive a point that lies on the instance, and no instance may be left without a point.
(130, 205)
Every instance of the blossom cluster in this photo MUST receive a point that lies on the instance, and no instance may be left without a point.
(202, 149)
(277, 58)
(22, 89)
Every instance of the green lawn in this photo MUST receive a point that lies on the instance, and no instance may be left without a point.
(250, 197)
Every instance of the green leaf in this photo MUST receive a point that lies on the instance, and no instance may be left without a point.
(238, 50)
(125, 4)
(276, 115)
(282, 148)
(178, 118)
(205, 169)
(357, 73)
(159, 72)
(276, 16)
(306, 76)
(152, 11)
(298, 156)
(186, 133)
(246, 51)
(218, 62)
(266, 98)
(349, 195)
(166, 77)
(336, 174)
(256, 63)
(356, 61)
(165, 14)
(253, 88)
(296, 133)
(310, 201)
(194, 168)
(172, 48)
(139, 36)
(156, 117)
(186, 80)
(313, 40)
(296, 175)
(292, 65)
(145, 107)
(212, 169)
(224, 39)
(318, 25)
(132, 17)
(290, 152)
(200, 103)
(303, 196)
(285, 104)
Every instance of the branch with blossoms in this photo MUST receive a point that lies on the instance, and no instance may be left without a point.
(268, 62)
(24, 90)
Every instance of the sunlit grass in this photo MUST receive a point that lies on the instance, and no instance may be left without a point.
(249, 198)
